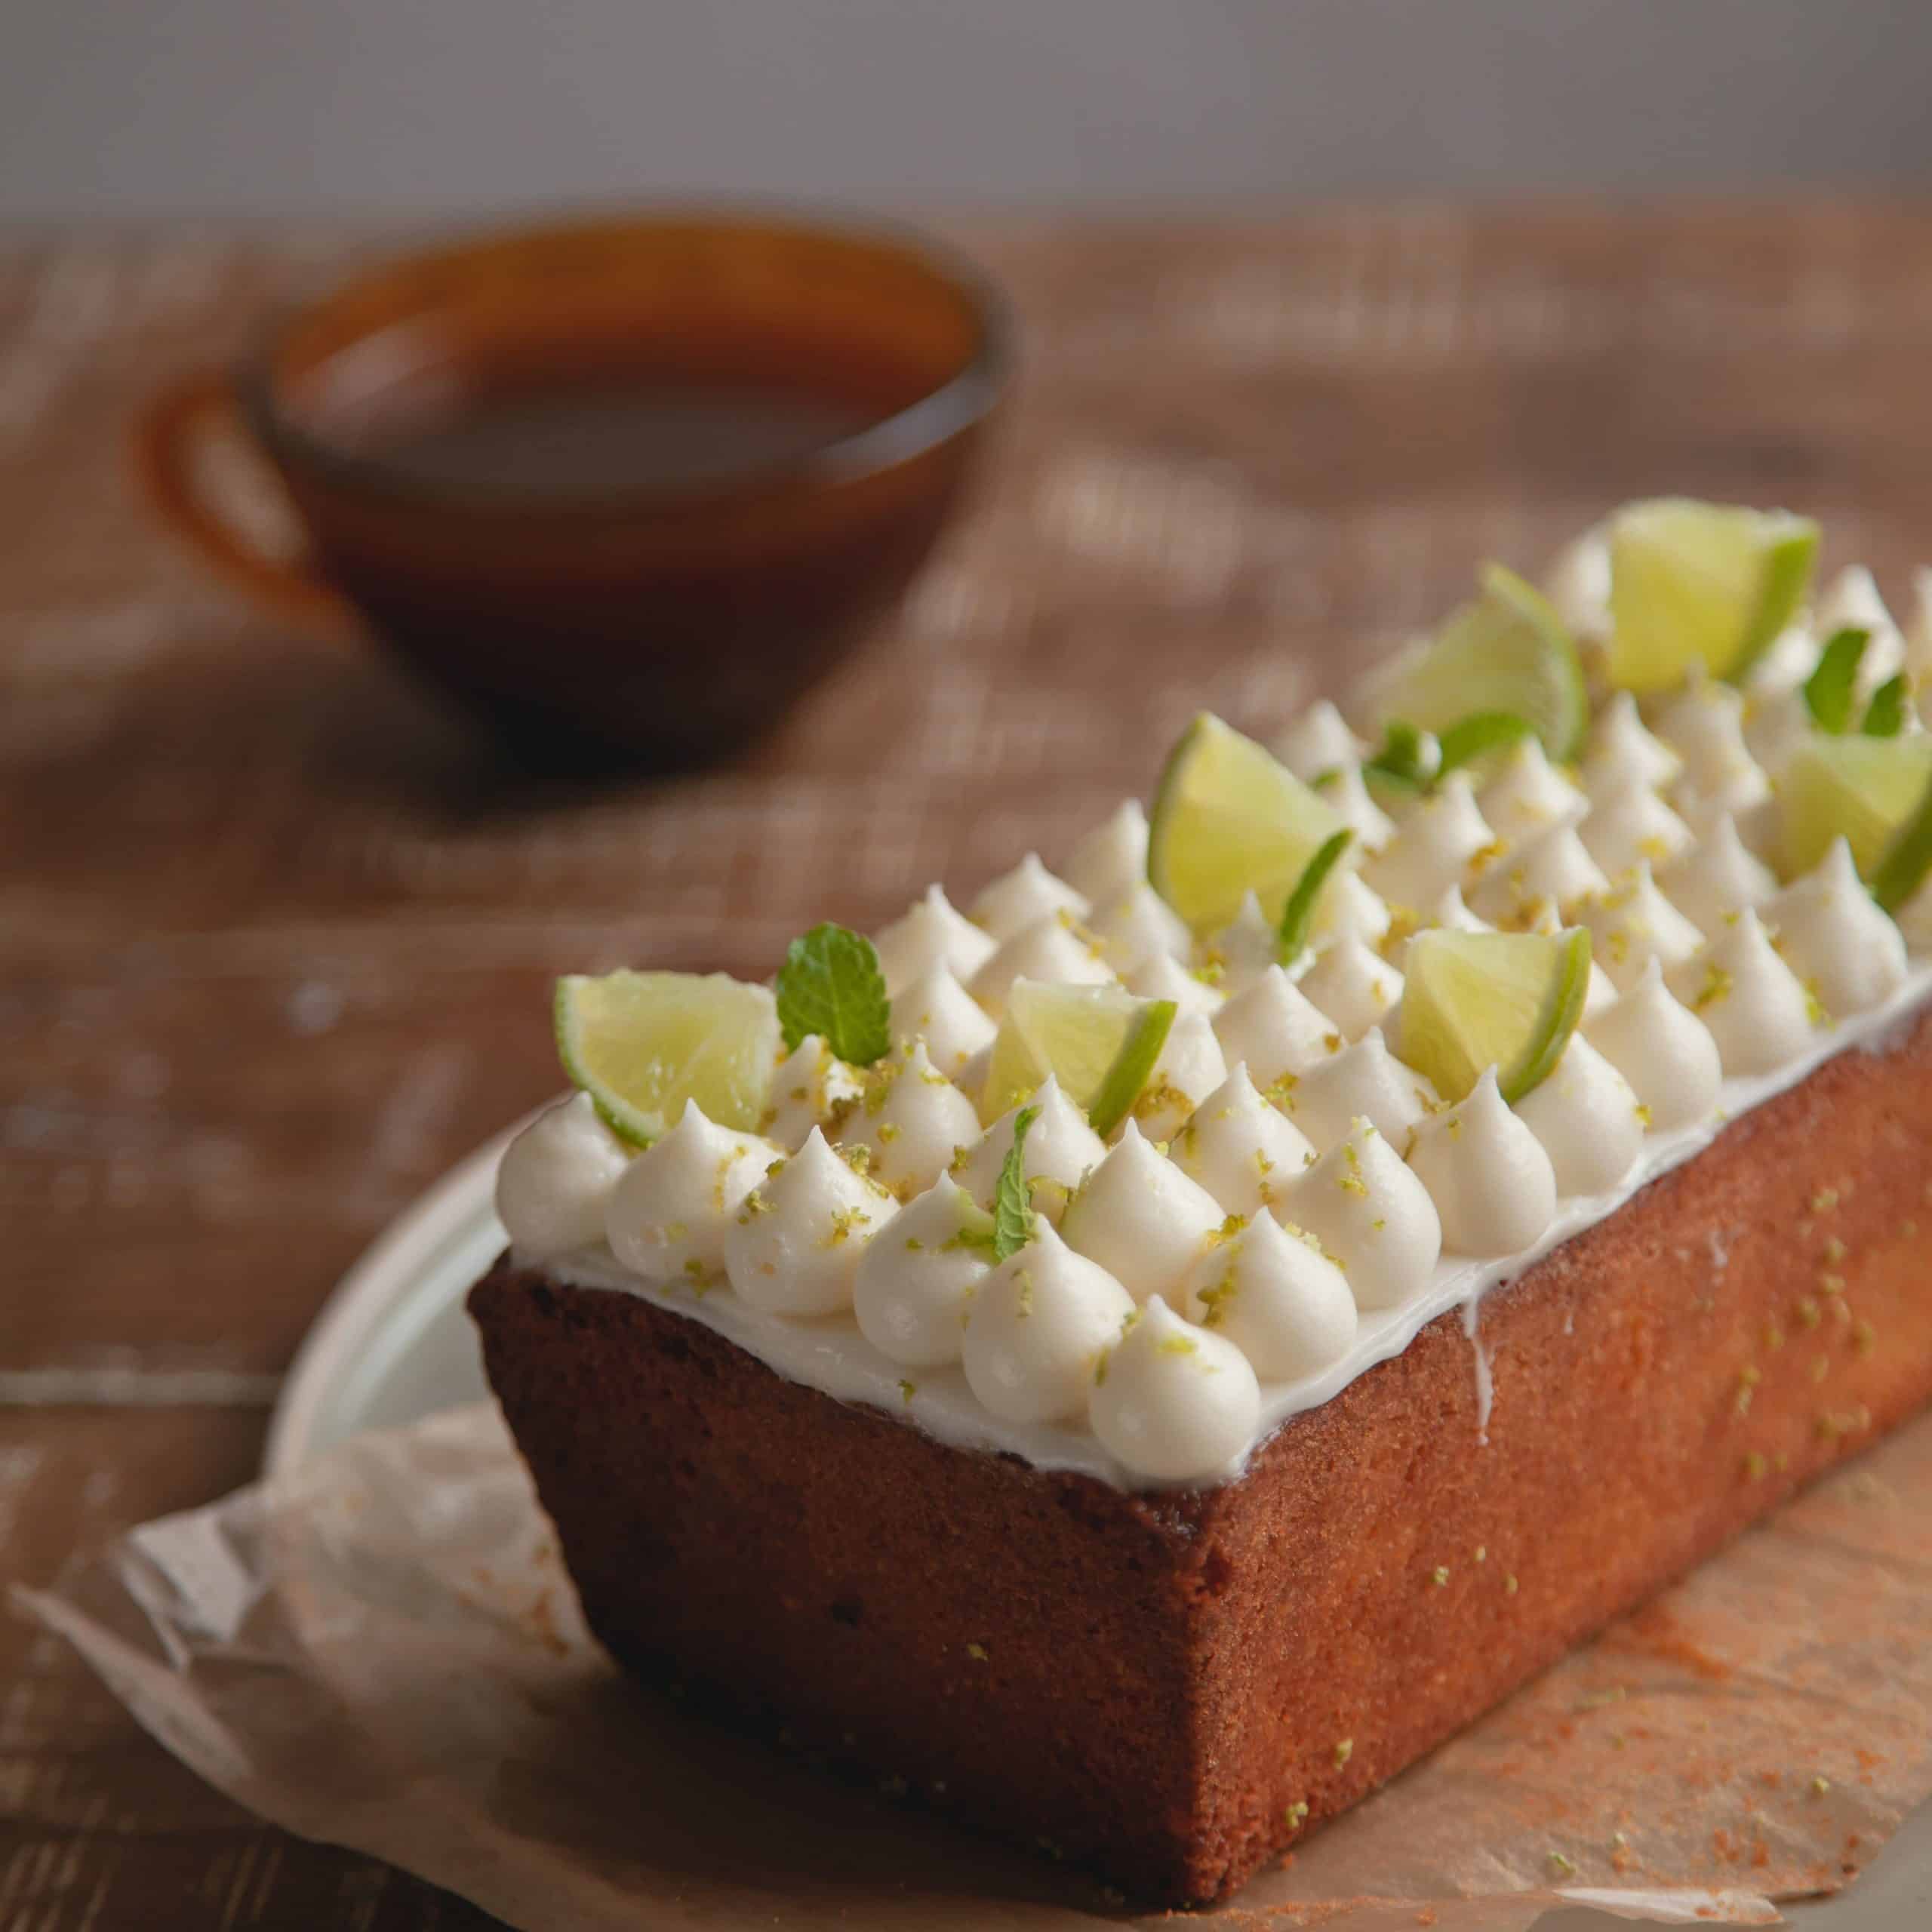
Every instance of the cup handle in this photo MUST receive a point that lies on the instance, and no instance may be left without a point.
(183, 421)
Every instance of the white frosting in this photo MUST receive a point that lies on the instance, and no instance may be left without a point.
(1717, 877)
(1630, 825)
(1060, 1149)
(1140, 1217)
(1191, 1066)
(1620, 751)
(1352, 984)
(1173, 1401)
(1756, 1010)
(1243, 1151)
(668, 1216)
(1318, 740)
(1554, 868)
(555, 1182)
(1588, 1119)
(1783, 664)
(1277, 1297)
(917, 1275)
(1348, 908)
(1577, 584)
(936, 1008)
(912, 1120)
(1243, 949)
(1347, 796)
(1112, 858)
(1433, 848)
(810, 1084)
(1372, 1215)
(1275, 1028)
(1663, 1051)
(1036, 1327)
(1139, 921)
(1493, 1185)
(1775, 725)
(1836, 938)
(1363, 1082)
(1160, 975)
(929, 932)
(793, 1247)
(1053, 948)
(1635, 925)
(1704, 724)
(1024, 897)
(1852, 598)
(1528, 796)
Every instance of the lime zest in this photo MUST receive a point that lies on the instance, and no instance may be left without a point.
(1298, 915)
(1477, 736)
(1884, 716)
(831, 984)
(1013, 1206)
(1693, 583)
(1830, 689)
(641, 1045)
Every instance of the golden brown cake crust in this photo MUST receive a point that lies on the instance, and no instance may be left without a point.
(1156, 1684)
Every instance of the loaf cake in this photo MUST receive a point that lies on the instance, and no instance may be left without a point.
(1136, 1364)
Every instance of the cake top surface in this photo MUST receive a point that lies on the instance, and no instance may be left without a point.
(1126, 1162)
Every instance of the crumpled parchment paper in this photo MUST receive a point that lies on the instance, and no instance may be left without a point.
(384, 1652)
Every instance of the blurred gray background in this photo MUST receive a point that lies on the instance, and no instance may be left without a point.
(258, 106)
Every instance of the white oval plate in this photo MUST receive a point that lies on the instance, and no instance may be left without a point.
(392, 1342)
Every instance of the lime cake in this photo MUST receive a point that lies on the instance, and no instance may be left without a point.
(1138, 1359)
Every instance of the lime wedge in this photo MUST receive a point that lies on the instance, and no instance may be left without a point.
(1905, 861)
(640, 1044)
(1507, 651)
(1868, 789)
(1510, 1001)
(1228, 819)
(1700, 584)
(1101, 1041)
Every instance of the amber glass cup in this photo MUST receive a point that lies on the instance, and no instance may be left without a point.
(667, 620)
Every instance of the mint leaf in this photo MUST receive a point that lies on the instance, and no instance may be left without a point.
(1012, 1206)
(1828, 691)
(1298, 915)
(830, 985)
(1401, 761)
(1884, 716)
(1479, 734)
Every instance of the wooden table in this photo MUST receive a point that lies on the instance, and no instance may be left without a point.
(275, 935)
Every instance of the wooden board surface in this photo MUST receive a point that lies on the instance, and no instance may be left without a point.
(275, 935)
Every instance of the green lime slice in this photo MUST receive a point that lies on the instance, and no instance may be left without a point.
(1100, 1041)
(640, 1044)
(1905, 861)
(1510, 1001)
(1869, 790)
(1506, 652)
(1228, 819)
(1701, 583)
